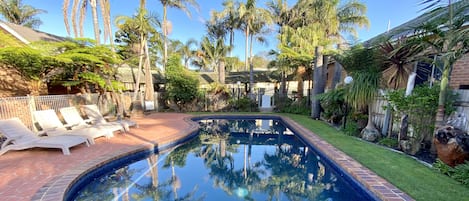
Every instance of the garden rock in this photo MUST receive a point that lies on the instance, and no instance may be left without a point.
(370, 134)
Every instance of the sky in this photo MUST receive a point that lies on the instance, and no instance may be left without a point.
(381, 13)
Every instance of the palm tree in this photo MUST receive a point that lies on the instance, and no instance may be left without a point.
(446, 35)
(186, 52)
(336, 20)
(80, 7)
(144, 25)
(16, 12)
(251, 18)
(230, 19)
(212, 55)
(179, 4)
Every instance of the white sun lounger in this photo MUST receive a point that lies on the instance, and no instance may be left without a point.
(19, 137)
(95, 115)
(72, 116)
(51, 124)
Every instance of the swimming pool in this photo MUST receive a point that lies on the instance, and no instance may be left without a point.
(231, 159)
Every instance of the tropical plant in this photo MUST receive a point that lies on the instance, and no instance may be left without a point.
(253, 19)
(212, 55)
(79, 10)
(229, 18)
(365, 66)
(179, 4)
(446, 35)
(16, 12)
(142, 26)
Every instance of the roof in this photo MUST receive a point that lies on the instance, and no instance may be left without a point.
(408, 27)
(28, 35)
(233, 77)
(127, 75)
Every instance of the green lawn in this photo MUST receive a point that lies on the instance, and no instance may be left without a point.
(412, 177)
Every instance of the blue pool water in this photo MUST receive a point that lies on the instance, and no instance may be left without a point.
(229, 159)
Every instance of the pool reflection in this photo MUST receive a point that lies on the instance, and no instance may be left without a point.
(228, 160)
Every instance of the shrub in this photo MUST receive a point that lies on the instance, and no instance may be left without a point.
(245, 104)
(389, 142)
(287, 105)
(333, 103)
(459, 173)
(182, 85)
(421, 106)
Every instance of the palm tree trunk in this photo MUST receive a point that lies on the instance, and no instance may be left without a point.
(221, 72)
(165, 37)
(337, 74)
(440, 114)
(139, 69)
(315, 106)
(149, 89)
(94, 13)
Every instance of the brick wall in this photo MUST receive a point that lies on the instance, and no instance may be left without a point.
(460, 73)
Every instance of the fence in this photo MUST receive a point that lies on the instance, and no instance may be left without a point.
(379, 113)
(24, 106)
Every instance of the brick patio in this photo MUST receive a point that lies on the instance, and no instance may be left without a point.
(45, 174)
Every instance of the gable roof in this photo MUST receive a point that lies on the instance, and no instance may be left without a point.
(28, 35)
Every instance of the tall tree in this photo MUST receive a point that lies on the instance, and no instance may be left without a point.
(79, 10)
(230, 19)
(212, 55)
(179, 4)
(333, 20)
(251, 18)
(16, 12)
(144, 26)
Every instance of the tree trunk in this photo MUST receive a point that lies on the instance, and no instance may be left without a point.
(283, 85)
(149, 89)
(221, 72)
(165, 37)
(315, 105)
(139, 70)
(299, 78)
(337, 76)
(440, 115)
(94, 13)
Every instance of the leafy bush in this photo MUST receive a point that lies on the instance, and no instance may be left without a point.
(421, 106)
(389, 142)
(459, 173)
(288, 106)
(333, 103)
(245, 104)
(182, 85)
(352, 129)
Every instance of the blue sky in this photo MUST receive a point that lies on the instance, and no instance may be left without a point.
(380, 12)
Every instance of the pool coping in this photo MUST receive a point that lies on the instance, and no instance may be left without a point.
(57, 188)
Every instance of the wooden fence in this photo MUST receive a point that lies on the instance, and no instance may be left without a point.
(379, 113)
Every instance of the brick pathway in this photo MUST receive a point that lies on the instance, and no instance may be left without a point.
(45, 174)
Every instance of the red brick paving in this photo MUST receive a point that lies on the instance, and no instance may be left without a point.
(45, 174)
